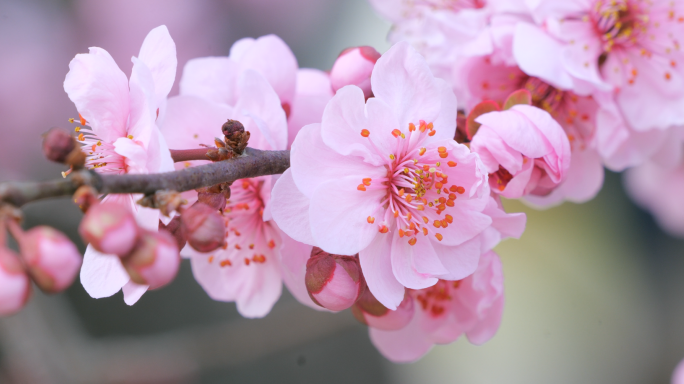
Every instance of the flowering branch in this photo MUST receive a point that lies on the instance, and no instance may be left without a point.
(254, 163)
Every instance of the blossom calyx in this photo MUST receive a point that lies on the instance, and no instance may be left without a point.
(59, 146)
(110, 228)
(51, 259)
(15, 285)
(154, 261)
(334, 282)
(368, 310)
(354, 67)
(203, 227)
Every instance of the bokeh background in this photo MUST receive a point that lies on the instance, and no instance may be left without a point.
(594, 292)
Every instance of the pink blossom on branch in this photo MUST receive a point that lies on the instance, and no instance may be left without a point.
(472, 306)
(384, 179)
(123, 137)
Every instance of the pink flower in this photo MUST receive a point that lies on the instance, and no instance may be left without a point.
(678, 374)
(354, 67)
(384, 179)
(123, 136)
(626, 45)
(472, 306)
(524, 150)
(15, 285)
(302, 92)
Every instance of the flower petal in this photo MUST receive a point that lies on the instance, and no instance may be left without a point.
(539, 55)
(461, 260)
(376, 264)
(158, 52)
(403, 346)
(211, 78)
(293, 258)
(290, 209)
(406, 259)
(102, 275)
(133, 292)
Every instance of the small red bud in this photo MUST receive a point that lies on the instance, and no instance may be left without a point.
(354, 67)
(368, 310)
(154, 261)
(15, 285)
(203, 227)
(110, 228)
(333, 282)
(58, 144)
(232, 126)
(51, 259)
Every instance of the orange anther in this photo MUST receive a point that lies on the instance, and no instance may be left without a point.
(383, 229)
(451, 163)
(81, 137)
(225, 263)
(409, 216)
(425, 220)
(224, 246)
(370, 219)
(412, 127)
(439, 236)
(673, 63)
(437, 223)
(441, 199)
(429, 126)
(211, 259)
(432, 133)
(449, 218)
(361, 187)
(425, 231)
(445, 223)
(412, 226)
(424, 200)
(401, 233)
(450, 203)
(420, 207)
(271, 244)
(401, 192)
(246, 261)
(441, 150)
(94, 147)
(452, 196)
(396, 133)
(426, 168)
(251, 246)
(238, 247)
(245, 184)
(442, 155)
(409, 198)
(438, 185)
(422, 126)
(365, 133)
(367, 181)
(412, 241)
(396, 214)
(83, 121)
(422, 151)
(442, 207)
(668, 76)
(460, 190)
(453, 188)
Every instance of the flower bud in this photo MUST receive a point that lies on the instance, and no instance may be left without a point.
(354, 67)
(203, 227)
(15, 286)
(154, 261)
(333, 282)
(368, 310)
(58, 144)
(51, 259)
(174, 228)
(110, 228)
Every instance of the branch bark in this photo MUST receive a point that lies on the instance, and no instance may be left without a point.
(252, 164)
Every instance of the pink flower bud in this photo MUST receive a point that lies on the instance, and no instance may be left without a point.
(15, 286)
(203, 227)
(174, 228)
(155, 259)
(110, 228)
(368, 310)
(354, 67)
(51, 259)
(333, 282)
(58, 144)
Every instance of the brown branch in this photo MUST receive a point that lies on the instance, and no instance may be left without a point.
(254, 163)
(179, 155)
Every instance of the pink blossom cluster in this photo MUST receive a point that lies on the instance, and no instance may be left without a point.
(392, 204)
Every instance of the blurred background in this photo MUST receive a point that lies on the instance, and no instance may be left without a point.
(594, 291)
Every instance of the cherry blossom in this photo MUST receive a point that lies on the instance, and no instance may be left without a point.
(472, 306)
(384, 179)
(122, 137)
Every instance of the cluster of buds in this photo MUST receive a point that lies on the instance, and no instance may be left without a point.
(232, 145)
(46, 256)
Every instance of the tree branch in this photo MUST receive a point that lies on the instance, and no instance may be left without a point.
(252, 164)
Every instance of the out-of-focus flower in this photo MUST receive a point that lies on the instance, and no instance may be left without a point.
(678, 374)
(51, 259)
(368, 310)
(15, 285)
(524, 150)
(630, 46)
(354, 67)
(109, 228)
(203, 227)
(472, 306)
(334, 282)
(384, 179)
(154, 261)
(123, 136)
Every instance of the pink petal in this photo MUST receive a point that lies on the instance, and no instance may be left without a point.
(290, 210)
(377, 270)
(461, 260)
(159, 158)
(538, 54)
(406, 259)
(191, 121)
(135, 154)
(270, 56)
(102, 275)
(487, 327)
(260, 102)
(293, 258)
(338, 215)
(213, 278)
(517, 131)
(260, 290)
(402, 79)
(313, 94)
(211, 78)
(99, 89)
(158, 52)
(133, 292)
(403, 346)
(143, 105)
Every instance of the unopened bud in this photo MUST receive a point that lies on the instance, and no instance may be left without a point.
(354, 67)
(110, 228)
(51, 259)
(232, 126)
(154, 261)
(333, 282)
(368, 310)
(203, 227)
(15, 285)
(59, 146)
(174, 228)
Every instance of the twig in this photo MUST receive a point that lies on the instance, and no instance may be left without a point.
(254, 163)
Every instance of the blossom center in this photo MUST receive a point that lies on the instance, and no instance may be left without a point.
(100, 155)
(435, 299)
